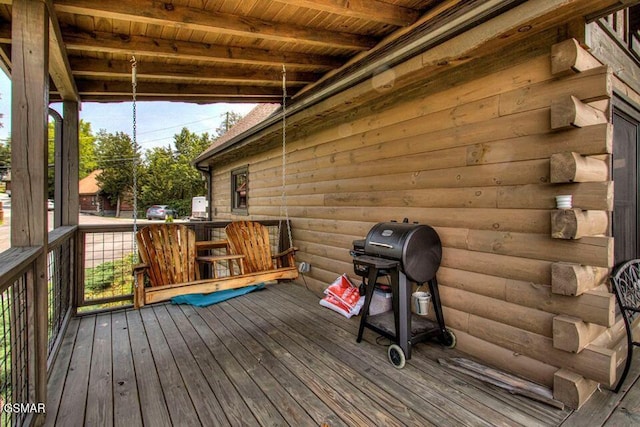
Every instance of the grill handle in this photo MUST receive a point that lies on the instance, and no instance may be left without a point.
(384, 245)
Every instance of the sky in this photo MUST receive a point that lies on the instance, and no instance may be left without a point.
(157, 122)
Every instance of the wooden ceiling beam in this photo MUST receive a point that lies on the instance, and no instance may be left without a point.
(59, 69)
(141, 45)
(119, 87)
(195, 99)
(178, 72)
(5, 59)
(181, 17)
(370, 10)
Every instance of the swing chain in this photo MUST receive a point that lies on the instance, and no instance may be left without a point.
(134, 84)
(283, 205)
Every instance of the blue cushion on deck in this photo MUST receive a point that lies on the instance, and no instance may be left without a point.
(203, 300)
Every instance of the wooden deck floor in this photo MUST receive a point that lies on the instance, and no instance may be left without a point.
(273, 357)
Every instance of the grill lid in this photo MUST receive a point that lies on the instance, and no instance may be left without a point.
(416, 246)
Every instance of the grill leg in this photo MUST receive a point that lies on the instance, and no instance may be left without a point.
(370, 286)
(437, 306)
(404, 331)
(402, 311)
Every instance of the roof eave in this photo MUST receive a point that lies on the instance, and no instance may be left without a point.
(421, 40)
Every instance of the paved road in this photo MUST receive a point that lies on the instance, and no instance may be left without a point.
(5, 229)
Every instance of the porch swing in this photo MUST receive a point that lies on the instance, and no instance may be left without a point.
(169, 253)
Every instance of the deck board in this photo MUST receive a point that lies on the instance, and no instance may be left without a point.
(100, 393)
(59, 371)
(235, 409)
(179, 404)
(76, 387)
(276, 357)
(291, 374)
(153, 405)
(255, 398)
(206, 404)
(125, 391)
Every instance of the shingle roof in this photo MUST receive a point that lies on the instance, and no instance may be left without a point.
(258, 114)
(89, 184)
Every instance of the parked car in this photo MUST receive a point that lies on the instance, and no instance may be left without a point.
(160, 212)
(50, 205)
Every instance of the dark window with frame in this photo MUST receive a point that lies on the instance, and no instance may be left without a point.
(239, 189)
(626, 168)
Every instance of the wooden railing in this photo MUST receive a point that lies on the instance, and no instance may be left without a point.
(22, 355)
(18, 350)
(61, 281)
(624, 26)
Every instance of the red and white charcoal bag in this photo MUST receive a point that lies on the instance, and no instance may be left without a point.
(343, 296)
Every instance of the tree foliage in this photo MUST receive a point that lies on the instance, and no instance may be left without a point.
(5, 157)
(170, 178)
(115, 156)
(229, 119)
(87, 153)
(87, 141)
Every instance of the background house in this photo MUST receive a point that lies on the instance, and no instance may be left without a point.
(94, 201)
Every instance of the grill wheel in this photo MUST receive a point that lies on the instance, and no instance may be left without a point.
(396, 356)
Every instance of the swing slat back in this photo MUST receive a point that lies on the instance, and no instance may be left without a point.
(169, 250)
(251, 239)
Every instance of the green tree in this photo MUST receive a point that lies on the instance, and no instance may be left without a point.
(157, 183)
(115, 156)
(87, 153)
(170, 178)
(5, 157)
(229, 119)
(87, 140)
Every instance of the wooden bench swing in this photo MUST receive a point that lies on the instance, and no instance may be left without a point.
(171, 263)
(170, 254)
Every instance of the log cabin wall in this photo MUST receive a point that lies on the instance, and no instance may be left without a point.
(523, 285)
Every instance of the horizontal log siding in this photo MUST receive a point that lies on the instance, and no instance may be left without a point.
(472, 161)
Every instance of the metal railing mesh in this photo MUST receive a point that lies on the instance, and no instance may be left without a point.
(59, 270)
(14, 351)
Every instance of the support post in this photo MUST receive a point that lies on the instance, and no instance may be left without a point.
(70, 163)
(29, 111)
(58, 167)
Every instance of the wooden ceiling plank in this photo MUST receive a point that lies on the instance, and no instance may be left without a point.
(59, 68)
(141, 45)
(208, 21)
(155, 70)
(370, 10)
(97, 87)
(196, 99)
(5, 59)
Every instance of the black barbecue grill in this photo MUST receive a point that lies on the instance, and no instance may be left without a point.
(406, 253)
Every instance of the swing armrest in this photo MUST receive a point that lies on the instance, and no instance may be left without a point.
(291, 250)
(285, 258)
(211, 244)
(139, 268)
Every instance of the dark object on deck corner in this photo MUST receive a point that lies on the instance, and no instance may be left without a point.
(626, 286)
